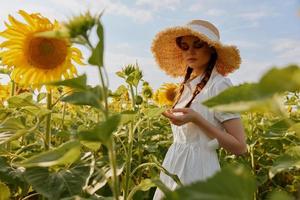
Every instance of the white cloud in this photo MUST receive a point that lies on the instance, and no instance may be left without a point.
(215, 12)
(254, 15)
(159, 4)
(287, 48)
(65, 9)
(247, 44)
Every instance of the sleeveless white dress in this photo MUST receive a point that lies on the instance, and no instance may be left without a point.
(193, 156)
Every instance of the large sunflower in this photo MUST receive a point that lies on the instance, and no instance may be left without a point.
(165, 95)
(36, 60)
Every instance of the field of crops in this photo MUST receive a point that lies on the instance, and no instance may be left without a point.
(61, 138)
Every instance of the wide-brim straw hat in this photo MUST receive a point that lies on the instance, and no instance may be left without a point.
(169, 56)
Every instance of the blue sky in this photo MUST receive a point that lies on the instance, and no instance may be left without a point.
(267, 32)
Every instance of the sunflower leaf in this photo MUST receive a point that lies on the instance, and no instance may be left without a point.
(97, 54)
(57, 184)
(91, 97)
(290, 159)
(232, 182)
(77, 83)
(21, 100)
(257, 96)
(103, 131)
(67, 153)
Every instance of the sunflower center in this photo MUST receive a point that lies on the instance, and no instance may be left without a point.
(47, 53)
(170, 94)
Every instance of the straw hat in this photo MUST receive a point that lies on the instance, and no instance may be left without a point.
(169, 57)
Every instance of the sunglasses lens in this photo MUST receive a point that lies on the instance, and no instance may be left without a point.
(198, 44)
(184, 46)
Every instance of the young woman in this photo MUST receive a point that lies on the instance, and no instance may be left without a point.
(194, 51)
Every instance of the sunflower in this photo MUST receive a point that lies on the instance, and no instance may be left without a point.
(4, 93)
(36, 60)
(165, 95)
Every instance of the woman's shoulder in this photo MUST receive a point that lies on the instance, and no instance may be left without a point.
(220, 83)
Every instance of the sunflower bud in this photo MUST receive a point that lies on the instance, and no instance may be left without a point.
(79, 25)
(147, 92)
(138, 100)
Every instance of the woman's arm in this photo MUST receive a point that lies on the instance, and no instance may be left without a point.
(233, 139)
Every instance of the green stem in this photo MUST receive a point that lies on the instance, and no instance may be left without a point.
(48, 121)
(104, 90)
(113, 164)
(132, 97)
(128, 160)
(13, 88)
(12, 93)
(103, 85)
(111, 146)
(63, 116)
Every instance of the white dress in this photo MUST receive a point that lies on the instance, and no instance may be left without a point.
(193, 156)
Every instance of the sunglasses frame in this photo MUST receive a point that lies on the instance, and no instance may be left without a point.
(179, 44)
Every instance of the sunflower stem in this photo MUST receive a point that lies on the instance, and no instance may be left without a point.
(13, 88)
(113, 165)
(48, 121)
(111, 146)
(104, 91)
(12, 93)
(128, 160)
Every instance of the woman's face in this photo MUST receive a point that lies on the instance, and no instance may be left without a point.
(195, 52)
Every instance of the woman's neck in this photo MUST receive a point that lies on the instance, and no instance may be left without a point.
(198, 72)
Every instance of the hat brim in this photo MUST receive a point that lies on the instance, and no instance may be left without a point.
(169, 57)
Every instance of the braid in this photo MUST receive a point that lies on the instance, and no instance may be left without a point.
(181, 87)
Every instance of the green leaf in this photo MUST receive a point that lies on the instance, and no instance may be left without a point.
(154, 112)
(36, 111)
(103, 131)
(12, 176)
(290, 159)
(231, 183)
(278, 80)
(144, 185)
(11, 124)
(89, 97)
(5, 192)
(11, 129)
(21, 100)
(97, 54)
(9, 136)
(296, 128)
(56, 185)
(258, 96)
(78, 82)
(65, 154)
(279, 195)
(128, 116)
(279, 126)
(41, 96)
(121, 74)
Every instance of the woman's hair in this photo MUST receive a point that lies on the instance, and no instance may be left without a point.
(189, 70)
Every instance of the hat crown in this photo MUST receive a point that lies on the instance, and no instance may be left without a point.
(206, 24)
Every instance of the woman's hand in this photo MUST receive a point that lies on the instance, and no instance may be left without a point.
(186, 115)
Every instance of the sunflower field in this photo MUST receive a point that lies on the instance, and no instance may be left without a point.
(61, 138)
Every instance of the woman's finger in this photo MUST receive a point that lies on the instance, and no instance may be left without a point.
(183, 110)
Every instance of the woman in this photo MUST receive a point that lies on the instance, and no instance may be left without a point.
(194, 51)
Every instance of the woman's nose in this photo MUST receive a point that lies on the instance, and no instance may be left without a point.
(191, 50)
